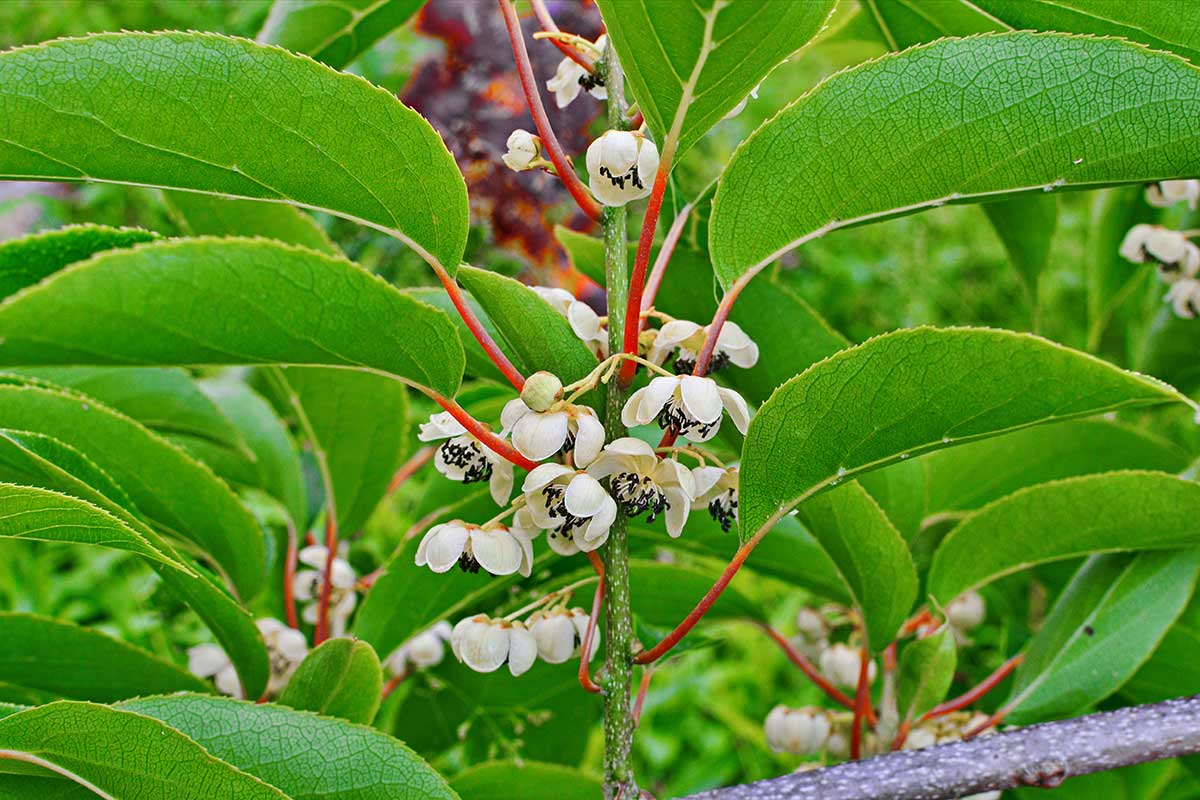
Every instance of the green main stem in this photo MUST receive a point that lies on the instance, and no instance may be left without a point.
(618, 622)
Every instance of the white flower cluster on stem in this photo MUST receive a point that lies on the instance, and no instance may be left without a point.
(1177, 256)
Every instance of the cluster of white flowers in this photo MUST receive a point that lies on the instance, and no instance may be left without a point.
(839, 662)
(621, 166)
(572, 77)
(286, 648)
(485, 643)
(308, 582)
(802, 731)
(423, 651)
(1177, 256)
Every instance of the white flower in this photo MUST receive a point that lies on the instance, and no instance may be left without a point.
(425, 650)
(570, 505)
(286, 648)
(539, 435)
(524, 150)
(796, 730)
(1184, 297)
(1167, 193)
(571, 76)
(741, 106)
(642, 482)
(966, 611)
(621, 166)
(686, 404)
(464, 458)
(559, 634)
(919, 739)
(496, 548)
(307, 587)
(485, 644)
(685, 339)
(840, 664)
(1176, 255)
(585, 323)
(812, 624)
(717, 488)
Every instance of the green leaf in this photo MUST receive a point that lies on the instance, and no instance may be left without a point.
(1109, 512)
(926, 671)
(917, 129)
(265, 302)
(911, 391)
(1103, 627)
(82, 664)
(870, 555)
(903, 23)
(901, 491)
(207, 113)
(501, 780)
(1172, 670)
(586, 253)
(341, 678)
(663, 594)
(25, 261)
(965, 478)
(478, 363)
(1111, 279)
(690, 63)
(208, 215)
(335, 32)
(358, 423)
(1168, 350)
(1026, 227)
(309, 757)
(535, 335)
(167, 485)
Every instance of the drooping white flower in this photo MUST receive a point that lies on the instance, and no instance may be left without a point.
(1184, 297)
(485, 644)
(797, 730)
(524, 151)
(642, 482)
(571, 77)
(919, 739)
(425, 650)
(966, 611)
(584, 321)
(1167, 193)
(564, 427)
(741, 106)
(1176, 255)
(687, 404)
(307, 588)
(840, 664)
(496, 548)
(559, 634)
(684, 339)
(812, 624)
(717, 488)
(621, 167)
(464, 458)
(570, 505)
(286, 648)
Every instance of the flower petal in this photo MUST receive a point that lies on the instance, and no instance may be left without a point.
(522, 649)
(676, 332)
(735, 404)
(555, 637)
(501, 482)
(563, 545)
(539, 436)
(595, 532)
(656, 395)
(680, 505)
(589, 438)
(543, 475)
(513, 411)
(443, 550)
(705, 479)
(314, 556)
(701, 398)
(485, 647)
(584, 495)
(496, 551)
(206, 660)
(440, 426)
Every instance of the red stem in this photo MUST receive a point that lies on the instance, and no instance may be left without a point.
(664, 257)
(637, 279)
(410, 467)
(806, 666)
(331, 541)
(391, 685)
(481, 432)
(549, 141)
(706, 602)
(714, 328)
(585, 678)
(643, 687)
(548, 24)
(477, 330)
(862, 701)
(289, 577)
(990, 722)
(971, 695)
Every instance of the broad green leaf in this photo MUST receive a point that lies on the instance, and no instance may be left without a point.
(533, 334)
(207, 215)
(82, 664)
(690, 63)
(926, 671)
(900, 489)
(167, 485)
(309, 757)
(501, 780)
(207, 113)
(1168, 350)
(917, 129)
(965, 478)
(1109, 512)
(358, 423)
(1026, 227)
(32, 787)
(870, 555)
(265, 302)
(586, 253)
(25, 261)
(341, 678)
(663, 594)
(911, 391)
(335, 32)
(122, 754)
(1105, 625)
(1173, 670)
(1111, 279)
(903, 23)
(478, 363)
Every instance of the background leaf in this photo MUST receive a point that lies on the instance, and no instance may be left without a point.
(334, 32)
(926, 670)
(500, 780)
(208, 215)
(341, 678)
(26, 260)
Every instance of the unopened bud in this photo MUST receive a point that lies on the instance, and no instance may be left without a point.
(541, 390)
(811, 624)
(966, 611)
(840, 664)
